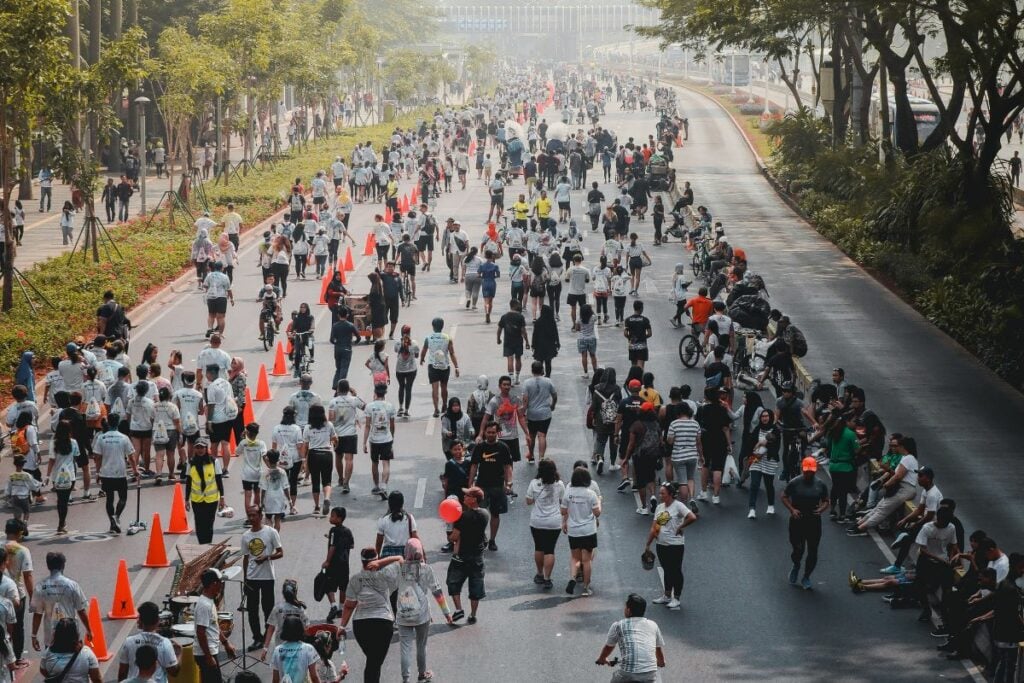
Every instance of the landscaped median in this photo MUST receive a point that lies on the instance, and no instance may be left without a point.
(154, 253)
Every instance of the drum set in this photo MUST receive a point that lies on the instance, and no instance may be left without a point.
(177, 623)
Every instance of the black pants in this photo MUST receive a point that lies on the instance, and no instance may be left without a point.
(320, 464)
(332, 250)
(555, 296)
(670, 557)
(805, 531)
(657, 228)
(233, 238)
(205, 514)
(620, 308)
(293, 478)
(18, 632)
(280, 271)
(208, 674)
(843, 483)
(602, 305)
(63, 500)
(374, 638)
(110, 486)
(405, 382)
(259, 596)
(300, 265)
(111, 208)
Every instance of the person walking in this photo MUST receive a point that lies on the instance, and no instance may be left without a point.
(468, 539)
(318, 443)
(539, 398)
(416, 580)
(670, 518)
(61, 471)
(109, 199)
(581, 507)
(763, 461)
(379, 439)
(806, 497)
(294, 659)
(261, 545)
(368, 608)
(204, 490)
(441, 349)
(67, 223)
(545, 339)
(113, 454)
(544, 495)
(67, 659)
(343, 335)
(406, 353)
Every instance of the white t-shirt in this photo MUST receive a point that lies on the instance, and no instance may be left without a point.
(274, 484)
(232, 222)
(73, 375)
(57, 597)
(212, 356)
(292, 661)
(637, 638)
(930, 497)
(165, 656)
(936, 540)
(286, 439)
(53, 663)
(301, 400)
(345, 411)
(114, 448)
(262, 543)
(217, 395)
(546, 512)
(19, 561)
(189, 401)
(251, 453)
(437, 350)
(142, 411)
(217, 285)
(671, 519)
(318, 439)
(580, 502)
(205, 614)
(380, 414)
(282, 611)
(396, 533)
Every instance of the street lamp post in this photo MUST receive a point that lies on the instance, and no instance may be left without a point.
(142, 101)
(380, 89)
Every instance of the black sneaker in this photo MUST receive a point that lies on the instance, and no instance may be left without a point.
(492, 546)
(548, 585)
(255, 647)
(571, 586)
(940, 632)
(625, 484)
(693, 506)
(600, 467)
(653, 504)
(538, 579)
(333, 613)
(457, 615)
(471, 619)
(447, 548)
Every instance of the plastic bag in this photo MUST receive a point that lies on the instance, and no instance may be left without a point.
(731, 473)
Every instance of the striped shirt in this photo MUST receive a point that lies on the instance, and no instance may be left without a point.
(637, 638)
(683, 434)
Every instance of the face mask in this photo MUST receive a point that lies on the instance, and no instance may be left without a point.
(1019, 582)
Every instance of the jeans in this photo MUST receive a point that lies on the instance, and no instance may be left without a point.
(405, 382)
(208, 674)
(111, 208)
(374, 639)
(843, 483)
(756, 477)
(342, 359)
(805, 532)
(122, 210)
(1005, 664)
(259, 596)
(600, 439)
(670, 557)
(472, 288)
(321, 265)
(67, 233)
(45, 198)
(409, 636)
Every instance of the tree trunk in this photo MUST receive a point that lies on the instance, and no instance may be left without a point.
(906, 126)
(95, 38)
(5, 187)
(25, 189)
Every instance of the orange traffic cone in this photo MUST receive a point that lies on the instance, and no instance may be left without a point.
(349, 264)
(156, 554)
(124, 604)
(280, 368)
(248, 414)
(179, 520)
(340, 265)
(232, 444)
(404, 205)
(415, 194)
(263, 384)
(98, 642)
(323, 289)
(288, 349)
(368, 251)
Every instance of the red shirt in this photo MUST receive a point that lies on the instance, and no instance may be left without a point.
(700, 309)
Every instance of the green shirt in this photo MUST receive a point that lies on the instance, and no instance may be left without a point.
(842, 452)
(892, 460)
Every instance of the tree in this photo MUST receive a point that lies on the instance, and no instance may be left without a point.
(32, 46)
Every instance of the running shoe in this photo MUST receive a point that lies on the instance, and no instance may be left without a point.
(661, 600)
(673, 604)
(806, 583)
(891, 570)
(794, 574)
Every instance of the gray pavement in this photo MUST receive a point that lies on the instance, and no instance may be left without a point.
(740, 619)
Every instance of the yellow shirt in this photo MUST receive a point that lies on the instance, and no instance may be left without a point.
(543, 207)
(521, 210)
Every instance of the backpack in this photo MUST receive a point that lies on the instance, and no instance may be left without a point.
(608, 410)
(19, 442)
(296, 202)
(160, 435)
(796, 341)
(64, 478)
(410, 603)
(93, 410)
(230, 407)
(189, 424)
(650, 443)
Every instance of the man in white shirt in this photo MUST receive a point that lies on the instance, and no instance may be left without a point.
(56, 597)
(339, 172)
(206, 223)
(113, 453)
(343, 412)
(166, 660)
(209, 637)
(379, 439)
(261, 545)
(19, 568)
(641, 645)
(212, 355)
(218, 418)
(302, 399)
(218, 292)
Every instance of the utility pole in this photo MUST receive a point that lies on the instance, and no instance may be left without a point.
(95, 35)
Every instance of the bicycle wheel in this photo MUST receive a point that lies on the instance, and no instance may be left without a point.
(697, 264)
(689, 350)
(268, 335)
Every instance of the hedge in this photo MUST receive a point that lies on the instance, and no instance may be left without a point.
(154, 254)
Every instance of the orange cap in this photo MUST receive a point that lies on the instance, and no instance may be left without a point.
(809, 464)
(647, 407)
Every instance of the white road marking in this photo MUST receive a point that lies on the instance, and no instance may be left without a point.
(431, 422)
(650, 287)
(421, 491)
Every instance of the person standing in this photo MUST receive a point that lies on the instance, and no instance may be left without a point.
(490, 470)
(261, 545)
(209, 637)
(19, 569)
(343, 335)
(670, 518)
(806, 497)
(1015, 166)
(343, 412)
(67, 223)
(339, 544)
(368, 607)
(539, 399)
(55, 597)
(640, 643)
(379, 439)
(204, 490)
(468, 539)
(46, 189)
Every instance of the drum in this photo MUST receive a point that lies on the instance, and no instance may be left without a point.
(189, 671)
(184, 630)
(181, 608)
(226, 622)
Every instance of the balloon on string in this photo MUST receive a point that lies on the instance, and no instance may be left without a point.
(450, 510)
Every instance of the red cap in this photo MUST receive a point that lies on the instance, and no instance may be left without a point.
(809, 464)
(646, 406)
(634, 384)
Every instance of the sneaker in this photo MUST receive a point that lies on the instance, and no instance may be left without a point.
(600, 467)
(892, 569)
(437, 413)
(940, 632)
(673, 604)
(642, 511)
(457, 615)
(751, 514)
(652, 504)
(614, 468)
(702, 496)
(854, 533)
(447, 548)
(548, 585)
(770, 510)
(375, 490)
(623, 485)
(586, 592)
(661, 600)
(255, 647)
(538, 579)
(471, 619)
(794, 574)
(715, 500)
(571, 586)
(344, 488)
(62, 531)
(899, 540)
(492, 546)
(805, 583)
(692, 504)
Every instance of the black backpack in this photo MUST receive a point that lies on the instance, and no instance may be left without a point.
(796, 341)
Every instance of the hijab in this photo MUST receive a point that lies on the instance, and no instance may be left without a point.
(24, 375)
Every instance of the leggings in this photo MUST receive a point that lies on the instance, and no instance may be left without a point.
(259, 596)
(205, 514)
(293, 478)
(405, 382)
(555, 295)
(805, 531)
(620, 308)
(321, 465)
(110, 486)
(670, 557)
(602, 305)
(843, 483)
(300, 265)
(547, 367)
(63, 499)
(280, 271)
(472, 288)
(756, 477)
(657, 228)
(374, 639)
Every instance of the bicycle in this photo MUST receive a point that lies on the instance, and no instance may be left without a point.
(691, 347)
(742, 360)
(301, 361)
(405, 291)
(701, 262)
(269, 328)
(793, 439)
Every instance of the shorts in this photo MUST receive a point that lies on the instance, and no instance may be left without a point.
(576, 299)
(220, 431)
(382, 451)
(425, 244)
(347, 444)
(319, 200)
(393, 306)
(336, 579)
(250, 485)
(410, 269)
(438, 375)
(538, 427)
(587, 345)
(172, 442)
(140, 433)
(498, 202)
(513, 448)
(679, 466)
(583, 542)
(714, 459)
(512, 349)
(644, 470)
(638, 354)
(191, 438)
(544, 540)
(218, 306)
(563, 206)
(272, 516)
(496, 500)
(463, 569)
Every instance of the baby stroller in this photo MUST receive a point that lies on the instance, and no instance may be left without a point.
(657, 173)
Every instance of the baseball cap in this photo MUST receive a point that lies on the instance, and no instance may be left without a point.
(646, 406)
(809, 464)
(72, 347)
(634, 384)
(202, 441)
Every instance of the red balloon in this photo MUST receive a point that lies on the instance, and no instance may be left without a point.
(450, 510)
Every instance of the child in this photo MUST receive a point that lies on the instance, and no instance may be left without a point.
(679, 286)
(339, 544)
(25, 442)
(620, 289)
(252, 451)
(54, 382)
(274, 490)
(325, 646)
(20, 487)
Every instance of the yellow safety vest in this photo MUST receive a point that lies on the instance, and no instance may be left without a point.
(199, 493)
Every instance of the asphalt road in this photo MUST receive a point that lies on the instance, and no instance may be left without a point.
(740, 618)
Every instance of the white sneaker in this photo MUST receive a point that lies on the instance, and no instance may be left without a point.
(662, 600)
(643, 511)
(703, 495)
(614, 468)
(715, 500)
(771, 510)
(673, 604)
(751, 514)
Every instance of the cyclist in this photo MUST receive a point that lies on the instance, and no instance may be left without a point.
(300, 332)
(790, 413)
(699, 308)
(270, 307)
(407, 256)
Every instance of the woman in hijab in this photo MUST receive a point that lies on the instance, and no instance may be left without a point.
(378, 306)
(604, 428)
(237, 379)
(416, 580)
(455, 426)
(202, 254)
(753, 406)
(545, 338)
(302, 324)
(25, 375)
(227, 255)
(478, 401)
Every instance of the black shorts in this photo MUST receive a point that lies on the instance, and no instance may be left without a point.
(337, 579)
(319, 200)
(463, 569)
(393, 306)
(82, 461)
(576, 299)
(409, 269)
(538, 426)
(498, 202)
(220, 431)
(563, 206)
(140, 433)
(583, 542)
(496, 500)
(438, 375)
(644, 470)
(250, 485)
(544, 540)
(218, 306)
(425, 244)
(715, 459)
(382, 451)
(638, 354)
(513, 448)
(512, 349)
(191, 438)
(347, 444)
